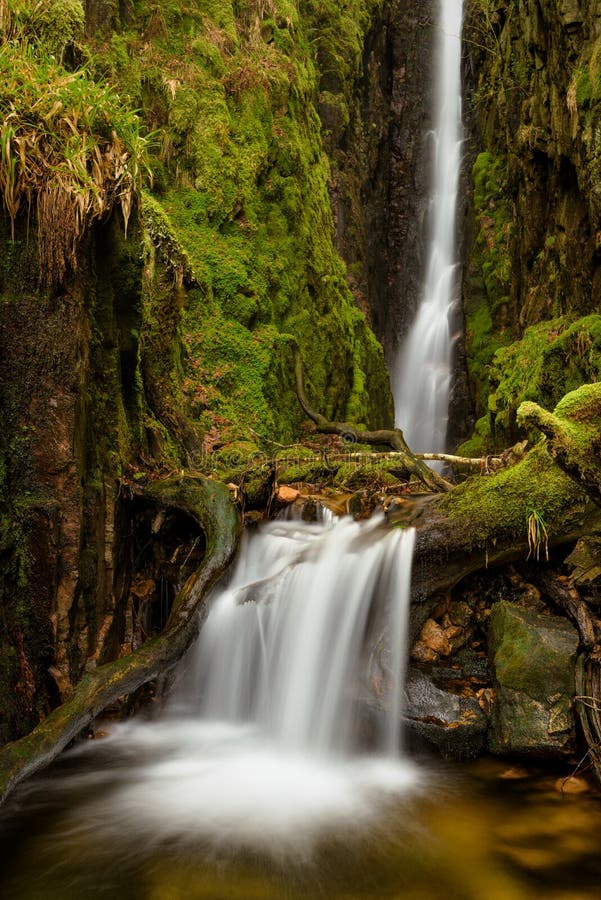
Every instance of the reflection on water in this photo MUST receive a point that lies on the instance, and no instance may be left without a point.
(137, 816)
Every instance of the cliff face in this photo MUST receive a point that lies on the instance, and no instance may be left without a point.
(376, 125)
(145, 308)
(534, 273)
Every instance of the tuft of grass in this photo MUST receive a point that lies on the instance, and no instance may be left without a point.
(69, 152)
(537, 535)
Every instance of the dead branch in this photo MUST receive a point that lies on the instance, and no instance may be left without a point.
(392, 437)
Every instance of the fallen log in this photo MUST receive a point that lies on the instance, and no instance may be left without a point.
(209, 503)
(484, 521)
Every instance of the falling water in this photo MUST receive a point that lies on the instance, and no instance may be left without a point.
(283, 644)
(263, 743)
(423, 377)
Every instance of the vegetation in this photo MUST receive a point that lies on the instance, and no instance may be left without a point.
(69, 149)
(238, 166)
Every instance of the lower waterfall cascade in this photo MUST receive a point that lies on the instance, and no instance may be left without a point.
(283, 642)
(260, 744)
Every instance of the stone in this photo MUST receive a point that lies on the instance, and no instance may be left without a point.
(451, 724)
(533, 659)
(585, 561)
(287, 494)
(572, 785)
(432, 643)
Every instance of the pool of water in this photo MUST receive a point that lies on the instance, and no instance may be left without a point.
(140, 818)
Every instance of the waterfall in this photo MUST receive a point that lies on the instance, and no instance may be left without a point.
(282, 646)
(422, 381)
(262, 743)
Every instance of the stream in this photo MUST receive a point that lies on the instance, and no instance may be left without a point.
(275, 769)
(483, 831)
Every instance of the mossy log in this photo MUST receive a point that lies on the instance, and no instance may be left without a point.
(210, 504)
(391, 437)
(573, 432)
(484, 521)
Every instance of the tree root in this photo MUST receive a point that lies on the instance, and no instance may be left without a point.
(573, 432)
(209, 503)
(566, 597)
(588, 705)
(392, 437)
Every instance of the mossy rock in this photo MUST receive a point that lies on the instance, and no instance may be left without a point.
(533, 659)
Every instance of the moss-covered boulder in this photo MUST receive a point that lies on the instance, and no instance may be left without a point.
(533, 658)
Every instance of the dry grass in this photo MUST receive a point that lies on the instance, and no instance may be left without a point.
(69, 151)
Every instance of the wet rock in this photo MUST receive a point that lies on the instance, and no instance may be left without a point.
(585, 561)
(287, 494)
(310, 511)
(361, 504)
(572, 785)
(443, 634)
(431, 644)
(453, 725)
(533, 658)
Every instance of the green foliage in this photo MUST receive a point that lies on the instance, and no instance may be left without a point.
(51, 24)
(68, 145)
(231, 93)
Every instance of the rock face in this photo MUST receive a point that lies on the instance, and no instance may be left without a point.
(534, 265)
(533, 658)
(379, 146)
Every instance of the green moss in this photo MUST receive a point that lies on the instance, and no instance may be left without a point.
(487, 299)
(550, 360)
(480, 443)
(581, 405)
(503, 501)
(250, 206)
(583, 88)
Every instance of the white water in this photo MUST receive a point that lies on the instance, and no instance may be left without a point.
(260, 747)
(283, 643)
(422, 381)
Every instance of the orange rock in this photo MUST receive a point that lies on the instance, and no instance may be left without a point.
(287, 494)
(571, 785)
(421, 653)
(434, 638)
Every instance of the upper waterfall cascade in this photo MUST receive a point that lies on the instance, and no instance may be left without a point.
(422, 380)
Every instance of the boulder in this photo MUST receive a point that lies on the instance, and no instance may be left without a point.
(451, 724)
(533, 659)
